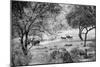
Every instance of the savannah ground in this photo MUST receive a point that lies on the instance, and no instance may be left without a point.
(43, 53)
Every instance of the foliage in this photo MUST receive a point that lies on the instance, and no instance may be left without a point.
(28, 17)
(84, 18)
(17, 56)
(77, 54)
(62, 55)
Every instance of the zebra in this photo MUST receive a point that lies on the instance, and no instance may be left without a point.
(63, 37)
(69, 37)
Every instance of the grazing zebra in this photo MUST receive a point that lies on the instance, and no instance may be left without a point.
(34, 43)
(63, 37)
(69, 37)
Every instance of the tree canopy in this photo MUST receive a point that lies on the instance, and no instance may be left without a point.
(82, 15)
(84, 18)
(24, 14)
(29, 16)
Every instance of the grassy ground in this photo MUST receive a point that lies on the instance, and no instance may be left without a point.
(41, 54)
(59, 50)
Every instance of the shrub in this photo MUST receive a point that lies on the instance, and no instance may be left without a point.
(61, 55)
(17, 56)
(92, 45)
(77, 54)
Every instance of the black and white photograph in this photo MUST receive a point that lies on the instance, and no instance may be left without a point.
(44, 33)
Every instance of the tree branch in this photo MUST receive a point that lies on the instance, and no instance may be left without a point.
(91, 28)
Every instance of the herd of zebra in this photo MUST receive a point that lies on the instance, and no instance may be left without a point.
(34, 42)
(67, 37)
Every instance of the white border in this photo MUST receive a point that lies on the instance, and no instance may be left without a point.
(88, 2)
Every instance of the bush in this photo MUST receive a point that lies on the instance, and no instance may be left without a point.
(17, 56)
(61, 55)
(92, 45)
(77, 54)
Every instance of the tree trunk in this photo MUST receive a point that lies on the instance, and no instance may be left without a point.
(23, 45)
(26, 43)
(80, 35)
(85, 39)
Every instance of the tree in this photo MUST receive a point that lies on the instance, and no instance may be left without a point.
(28, 16)
(83, 17)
